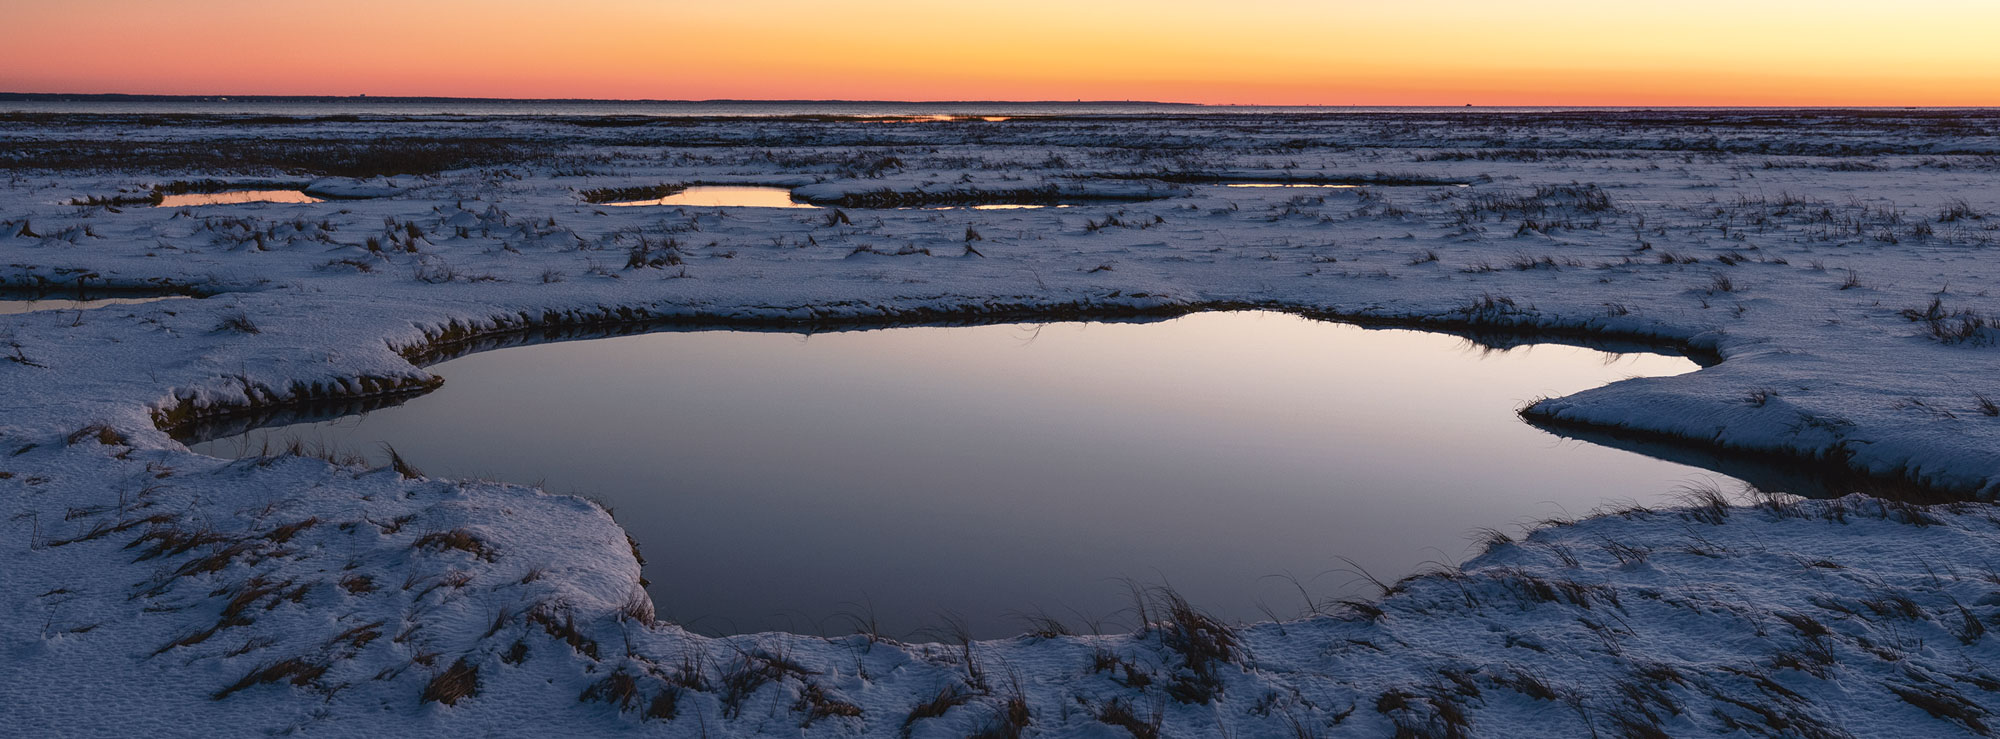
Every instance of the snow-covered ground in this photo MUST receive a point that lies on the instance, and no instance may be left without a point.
(1840, 264)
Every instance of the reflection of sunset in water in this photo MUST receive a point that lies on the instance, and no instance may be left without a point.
(1281, 440)
(234, 197)
(706, 196)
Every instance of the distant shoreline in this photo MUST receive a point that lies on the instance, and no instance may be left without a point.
(128, 98)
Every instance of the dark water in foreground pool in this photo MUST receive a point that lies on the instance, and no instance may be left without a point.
(776, 480)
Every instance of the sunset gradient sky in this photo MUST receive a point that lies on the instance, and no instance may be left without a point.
(1333, 52)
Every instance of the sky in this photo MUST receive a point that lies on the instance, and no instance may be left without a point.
(1273, 52)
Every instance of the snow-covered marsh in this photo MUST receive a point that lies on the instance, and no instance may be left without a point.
(1839, 264)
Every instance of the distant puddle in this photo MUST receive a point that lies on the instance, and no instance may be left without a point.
(13, 306)
(725, 196)
(1344, 185)
(779, 480)
(1283, 184)
(237, 197)
(997, 206)
(940, 118)
(743, 196)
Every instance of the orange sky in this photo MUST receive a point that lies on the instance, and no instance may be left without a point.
(1335, 52)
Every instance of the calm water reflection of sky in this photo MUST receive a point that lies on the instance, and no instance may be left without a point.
(773, 480)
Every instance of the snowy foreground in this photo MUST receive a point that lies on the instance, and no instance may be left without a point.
(1838, 264)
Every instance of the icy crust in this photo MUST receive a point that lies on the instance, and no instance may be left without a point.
(152, 588)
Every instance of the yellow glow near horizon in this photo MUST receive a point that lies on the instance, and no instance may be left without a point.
(1329, 52)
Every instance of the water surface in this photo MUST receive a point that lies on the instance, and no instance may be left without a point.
(236, 197)
(711, 196)
(1288, 184)
(775, 481)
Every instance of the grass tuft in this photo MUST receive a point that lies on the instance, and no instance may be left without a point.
(1947, 326)
(457, 682)
(459, 539)
(238, 323)
(950, 696)
(100, 433)
(295, 671)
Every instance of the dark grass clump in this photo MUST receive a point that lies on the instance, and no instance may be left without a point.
(1434, 714)
(948, 697)
(1947, 326)
(560, 623)
(237, 323)
(619, 690)
(150, 197)
(1010, 721)
(295, 671)
(1548, 207)
(743, 680)
(402, 467)
(97, 432)
(1945, 704)
(459, 539)
(1119, 713)
(1203, 643)
(654, 253)
(816, 704)
(457, 682)
(665, 704)
(624, 194)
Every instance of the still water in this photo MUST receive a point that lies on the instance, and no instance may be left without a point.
(758, 196)
(235, 197)
(779, 480)
(710, 196)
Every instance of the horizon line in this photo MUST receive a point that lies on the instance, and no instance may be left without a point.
(7, 96)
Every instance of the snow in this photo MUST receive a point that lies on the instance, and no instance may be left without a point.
(350, 188)
(142, 580)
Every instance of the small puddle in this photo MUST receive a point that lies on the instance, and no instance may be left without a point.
(236, 197)
(998, 206)
(939, 118)
(744, 196)
(774, 480)
(725, 196)
(1285, 184)
(1344, 185)
(14, 306)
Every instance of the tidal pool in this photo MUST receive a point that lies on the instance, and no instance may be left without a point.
(789, 481)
